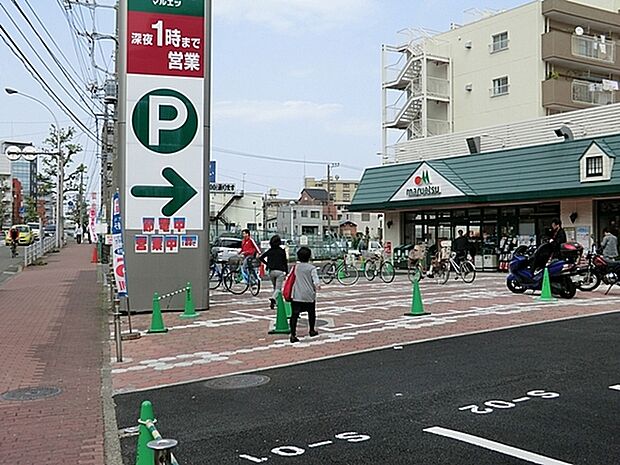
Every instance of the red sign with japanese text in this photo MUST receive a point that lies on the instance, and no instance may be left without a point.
(164, 44)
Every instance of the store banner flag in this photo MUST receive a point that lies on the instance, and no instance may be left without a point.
(117, 247)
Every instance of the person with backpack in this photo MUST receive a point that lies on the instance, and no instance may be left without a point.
(304, 292)
(275, 261)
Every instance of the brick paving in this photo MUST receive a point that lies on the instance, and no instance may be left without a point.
(232, 336)
(51, 336)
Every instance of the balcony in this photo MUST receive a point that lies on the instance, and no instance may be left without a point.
(567, 95)
(580, 52)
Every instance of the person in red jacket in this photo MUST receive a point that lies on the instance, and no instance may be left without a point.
(249, 249)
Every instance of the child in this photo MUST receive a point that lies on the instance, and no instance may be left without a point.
(304, 292)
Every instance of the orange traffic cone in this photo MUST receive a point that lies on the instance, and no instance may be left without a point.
(94, 258)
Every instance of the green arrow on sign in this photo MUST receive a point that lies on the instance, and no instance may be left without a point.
(180, 191)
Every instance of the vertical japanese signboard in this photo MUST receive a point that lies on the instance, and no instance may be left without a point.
(162, 123)
(165, 82)
(118, 251)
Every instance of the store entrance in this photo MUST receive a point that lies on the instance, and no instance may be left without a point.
(494, 232)
(607, 216)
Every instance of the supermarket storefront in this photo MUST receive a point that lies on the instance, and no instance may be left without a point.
(500, 199)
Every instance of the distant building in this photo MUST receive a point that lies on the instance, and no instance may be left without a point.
(18, 202)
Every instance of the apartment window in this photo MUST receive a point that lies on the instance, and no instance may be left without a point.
(304, 213)
(346, 196)
(365, 216)
(500, 86)
(499, 42)
(594, 166)
(345, 186)
(314, 214)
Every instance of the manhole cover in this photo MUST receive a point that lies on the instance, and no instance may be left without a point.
(31, 393)
(237, 382)
(316, 323)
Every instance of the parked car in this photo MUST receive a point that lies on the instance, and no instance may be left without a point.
(34, 226)
(225, 247)
(49, 230)
(25, 235)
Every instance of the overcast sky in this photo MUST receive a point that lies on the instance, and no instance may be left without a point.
(291, 79)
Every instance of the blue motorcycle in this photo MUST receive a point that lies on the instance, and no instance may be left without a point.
(527, 268)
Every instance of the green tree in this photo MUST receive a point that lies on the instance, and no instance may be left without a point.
(31, 210)
(47, 177)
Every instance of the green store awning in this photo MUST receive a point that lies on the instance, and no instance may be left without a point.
(541, 172)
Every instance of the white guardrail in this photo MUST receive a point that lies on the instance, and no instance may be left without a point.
(37, 249)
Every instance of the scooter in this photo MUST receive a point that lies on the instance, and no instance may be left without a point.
(527, 268)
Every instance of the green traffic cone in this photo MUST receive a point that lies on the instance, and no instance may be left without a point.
(282, 326)
(417, 307)
(157, 322)
(545, 295)
(145, 455)
(340, 269)
(190, 308)
(289, 310)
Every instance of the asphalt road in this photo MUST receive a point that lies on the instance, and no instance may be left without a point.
(8, 265)
(546, 394)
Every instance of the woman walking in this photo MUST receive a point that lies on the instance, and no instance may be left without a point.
(275, 261)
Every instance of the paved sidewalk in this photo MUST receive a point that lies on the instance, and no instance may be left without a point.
(51, 336)
(232, 337)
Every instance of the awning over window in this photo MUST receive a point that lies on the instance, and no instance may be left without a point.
(541, 172)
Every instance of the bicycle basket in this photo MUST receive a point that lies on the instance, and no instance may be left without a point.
(234, 263)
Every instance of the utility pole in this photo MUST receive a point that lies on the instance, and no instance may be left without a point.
(329, 196)
(81, 201)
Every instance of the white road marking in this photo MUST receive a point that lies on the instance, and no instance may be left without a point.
(495, 446)
(521, 399)
(253, 459)
(322, 443)
(615, 387)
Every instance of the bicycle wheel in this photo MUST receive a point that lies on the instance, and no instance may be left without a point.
(414, 273)
(468, 271)
(328, 272)
(442, 274)
(254, 283)
(347, 275)
(387, 272)
(370, 270)
(224, 278)
(236, 283)
(215, 278)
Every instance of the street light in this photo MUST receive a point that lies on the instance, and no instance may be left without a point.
(60, 175)
(291, 203)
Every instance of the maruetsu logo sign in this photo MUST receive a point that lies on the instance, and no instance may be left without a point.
(423, 186)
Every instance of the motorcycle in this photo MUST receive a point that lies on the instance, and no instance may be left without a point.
(593, 272)
(527, 268)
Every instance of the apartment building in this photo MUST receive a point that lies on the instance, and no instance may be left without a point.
(539, 59)
(345, 222)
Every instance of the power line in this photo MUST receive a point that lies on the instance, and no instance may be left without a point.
(282, 159)
(14, 48)
(58, 48)
(86, 106)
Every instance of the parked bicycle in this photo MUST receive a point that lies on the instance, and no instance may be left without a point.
(345, 273)
(239, 279)
(463, 269)
(375, 265)
(217, 275)
(415, 263)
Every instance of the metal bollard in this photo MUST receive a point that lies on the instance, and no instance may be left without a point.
(117, 331)
(162, 451)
